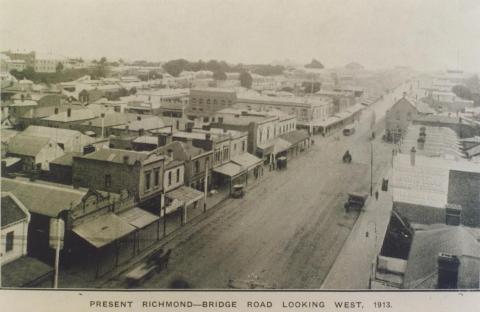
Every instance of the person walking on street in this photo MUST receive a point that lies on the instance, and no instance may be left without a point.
(376, 195)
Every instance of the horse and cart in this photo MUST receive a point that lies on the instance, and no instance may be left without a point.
(156, 262)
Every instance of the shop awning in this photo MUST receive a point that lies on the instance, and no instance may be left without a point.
(185, 194)
(229, 169)
(103, 230)
(247, 160)
(137, 217)
(281, 145)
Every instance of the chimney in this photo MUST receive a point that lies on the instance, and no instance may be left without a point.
(413, 151)
(125, 159)
(102, 115)
(55, 111)
(139, 118)
(208, 136)
(453, 214)
(69, 112)
(141, 132)
(447, 271)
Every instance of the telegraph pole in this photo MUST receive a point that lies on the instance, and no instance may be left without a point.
(371, 168)
(205, 187)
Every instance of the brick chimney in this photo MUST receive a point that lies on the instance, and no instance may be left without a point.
(69, 112)
(447, 271)
(126, 159)
(413, 153)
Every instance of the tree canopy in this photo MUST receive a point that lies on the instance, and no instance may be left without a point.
(245, 79)
(315, 64)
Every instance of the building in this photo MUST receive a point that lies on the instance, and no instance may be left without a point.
(36, 153)
(400, 115)
(432, 141)
(27, 57)
(264, 129)
(196, 161)
(102, 230)
(433, 226)
(17, 268)
(204, 103)
(47, 63)
(115, 170)
(68, 140)
(15, 220)
(67, 119)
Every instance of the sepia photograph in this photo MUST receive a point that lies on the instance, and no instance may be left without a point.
(270, 146)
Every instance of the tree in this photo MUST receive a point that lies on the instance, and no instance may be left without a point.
(219, 75)
(245, 79)
(462, 92)
(314, 64)
(268, 70)
(59, 67)
(175, 67)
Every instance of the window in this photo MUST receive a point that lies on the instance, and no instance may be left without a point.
(235, 147)
(225, 153)
(178, 175)
(197, 166)
(243, 146)
(169, 178)
(268, 133)
(108, 180)
(147, 180)
(156, 177)
(9, 242)
(208, 101)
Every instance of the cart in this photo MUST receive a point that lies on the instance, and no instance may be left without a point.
(238, 191)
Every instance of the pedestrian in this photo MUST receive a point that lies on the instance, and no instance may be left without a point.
(376, 195)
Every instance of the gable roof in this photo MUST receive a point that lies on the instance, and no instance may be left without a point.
(44, 199)
(12, 210)
(426, 245)
(27, 145)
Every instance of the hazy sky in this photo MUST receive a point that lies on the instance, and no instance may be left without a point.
(427, 34)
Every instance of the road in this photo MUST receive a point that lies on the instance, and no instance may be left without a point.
(288, 231)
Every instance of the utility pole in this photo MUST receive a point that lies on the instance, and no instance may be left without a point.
(371, 168)
(205, 187)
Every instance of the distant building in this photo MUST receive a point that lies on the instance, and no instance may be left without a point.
(47, 63)
(204, 103)
(401, 114)
(68, 140)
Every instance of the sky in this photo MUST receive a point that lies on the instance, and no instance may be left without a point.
(424, 34)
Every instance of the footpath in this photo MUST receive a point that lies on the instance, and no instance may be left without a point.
(354, 264)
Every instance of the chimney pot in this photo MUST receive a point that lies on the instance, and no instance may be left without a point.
(448, 265)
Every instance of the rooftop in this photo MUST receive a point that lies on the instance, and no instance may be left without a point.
(44, 199)
(12, 210)
(119, 156)
(27, 145)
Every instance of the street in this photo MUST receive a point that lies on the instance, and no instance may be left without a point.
(287, 231)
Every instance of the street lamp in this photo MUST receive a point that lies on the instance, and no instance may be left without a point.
(374, 252)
